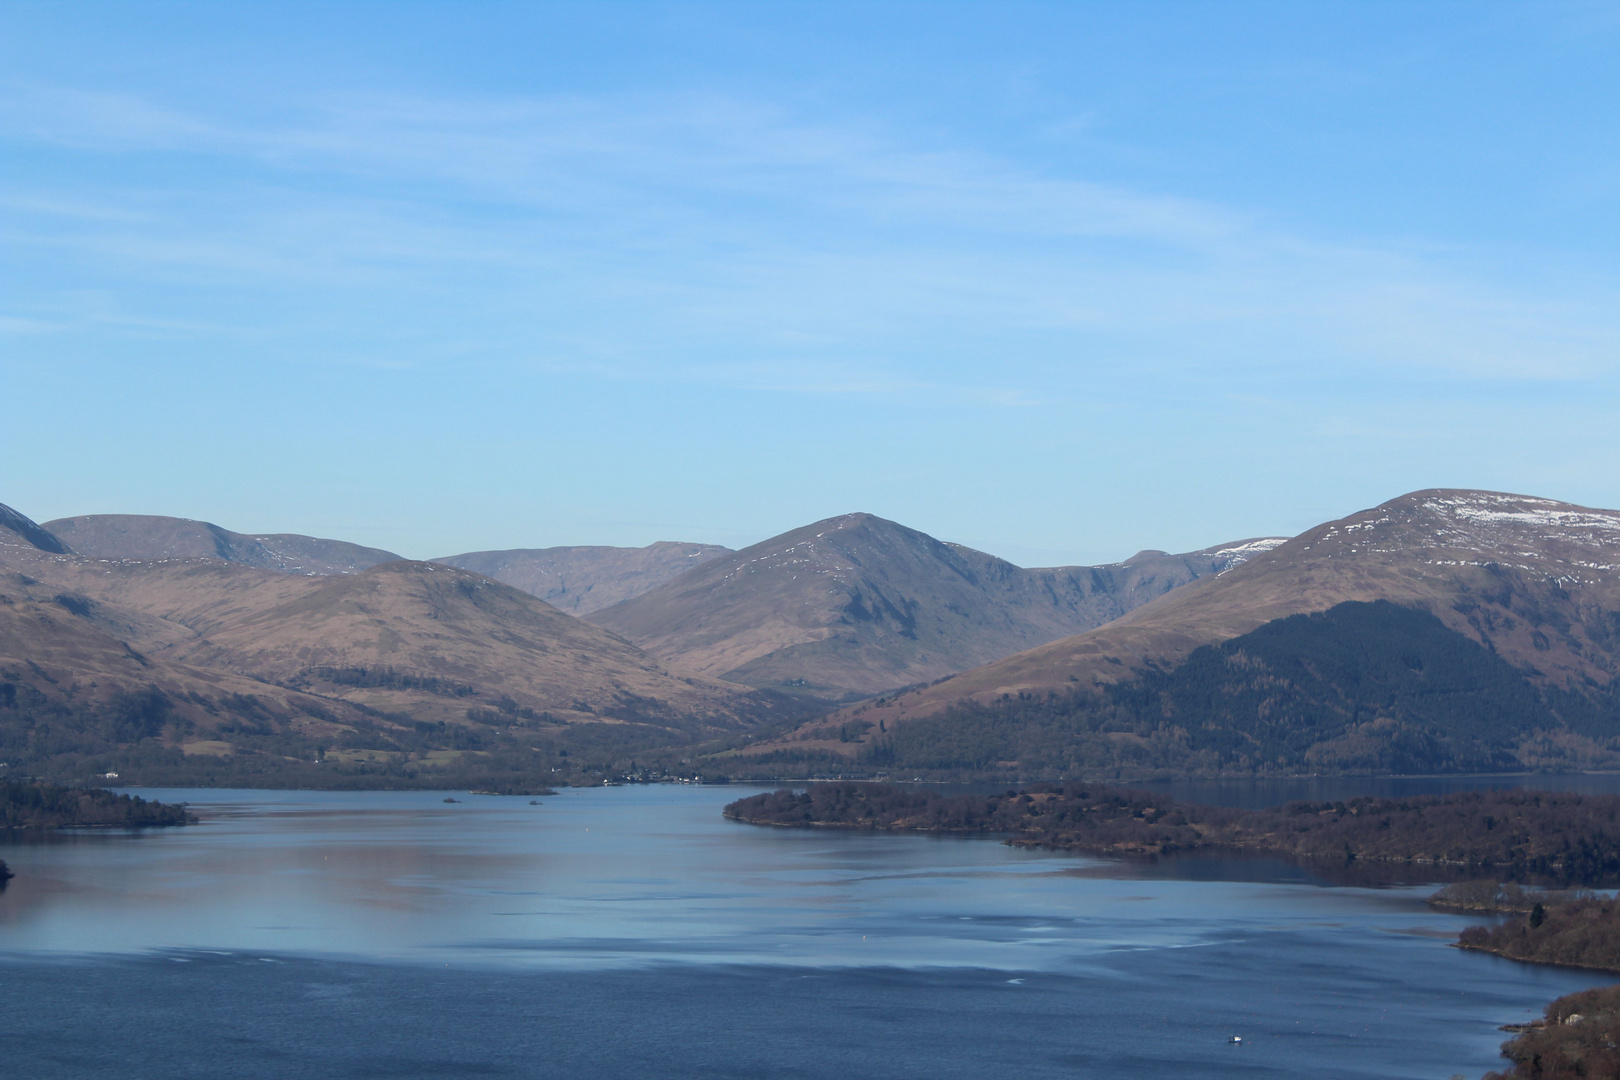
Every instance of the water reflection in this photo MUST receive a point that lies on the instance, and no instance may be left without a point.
(639, 919)
(613, 877)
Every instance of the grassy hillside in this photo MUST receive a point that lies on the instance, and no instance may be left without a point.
(407, 674)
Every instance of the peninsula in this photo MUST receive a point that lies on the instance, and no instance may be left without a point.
(1511, 835)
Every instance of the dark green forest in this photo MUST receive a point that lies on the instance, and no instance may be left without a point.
(27, 805)
(1360, 688)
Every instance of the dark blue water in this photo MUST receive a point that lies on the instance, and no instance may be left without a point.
(633, 932)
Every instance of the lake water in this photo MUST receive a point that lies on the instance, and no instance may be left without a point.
(633, 932)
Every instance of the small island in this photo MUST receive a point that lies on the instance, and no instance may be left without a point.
(28, 805)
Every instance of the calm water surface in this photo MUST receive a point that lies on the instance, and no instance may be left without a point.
(634, 932)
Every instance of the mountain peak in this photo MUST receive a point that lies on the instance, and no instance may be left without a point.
(857, 604)
(1447, 527)
(1530, 578)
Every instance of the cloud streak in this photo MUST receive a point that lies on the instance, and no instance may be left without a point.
(699, 236)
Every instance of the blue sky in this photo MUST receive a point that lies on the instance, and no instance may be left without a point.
(1056, 281)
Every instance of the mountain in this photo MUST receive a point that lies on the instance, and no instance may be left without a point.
(1350, 646)
(141, 536)
(71, 682)
(421, 640)
(432, 641)
(185, 669)
(580, 580)
(855, 605)
(15, 528)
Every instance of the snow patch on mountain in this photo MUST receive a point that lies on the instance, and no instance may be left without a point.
(1229, 558)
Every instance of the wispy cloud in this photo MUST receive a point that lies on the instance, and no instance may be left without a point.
(646, 235)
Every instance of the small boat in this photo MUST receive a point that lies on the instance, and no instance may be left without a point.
(1236, 1040)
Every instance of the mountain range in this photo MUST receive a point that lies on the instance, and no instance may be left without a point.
(1517, 591)
(1444, 630)
(200, 654)
(855, 605)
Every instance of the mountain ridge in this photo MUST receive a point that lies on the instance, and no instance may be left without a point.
(856, 604)
(149, 537)
(1534, 581)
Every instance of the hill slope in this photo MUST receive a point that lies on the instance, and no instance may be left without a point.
(18, 529)
(580, 580)
(147, 537)
(143, 665)
(71, 684)
(432, 641)
(856, 604)
(1506, 582)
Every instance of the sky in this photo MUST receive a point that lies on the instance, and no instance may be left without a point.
(1057, 281)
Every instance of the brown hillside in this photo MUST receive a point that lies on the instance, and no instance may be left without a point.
(407, 641)
(477, 640)
(856, 604)
(64, 648)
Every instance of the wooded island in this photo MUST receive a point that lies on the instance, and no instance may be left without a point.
(28, 805)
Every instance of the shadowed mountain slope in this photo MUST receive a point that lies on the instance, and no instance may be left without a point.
(580, 580)
(147, 537)
(1533, 583)
(856, 604)
(16, 528)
